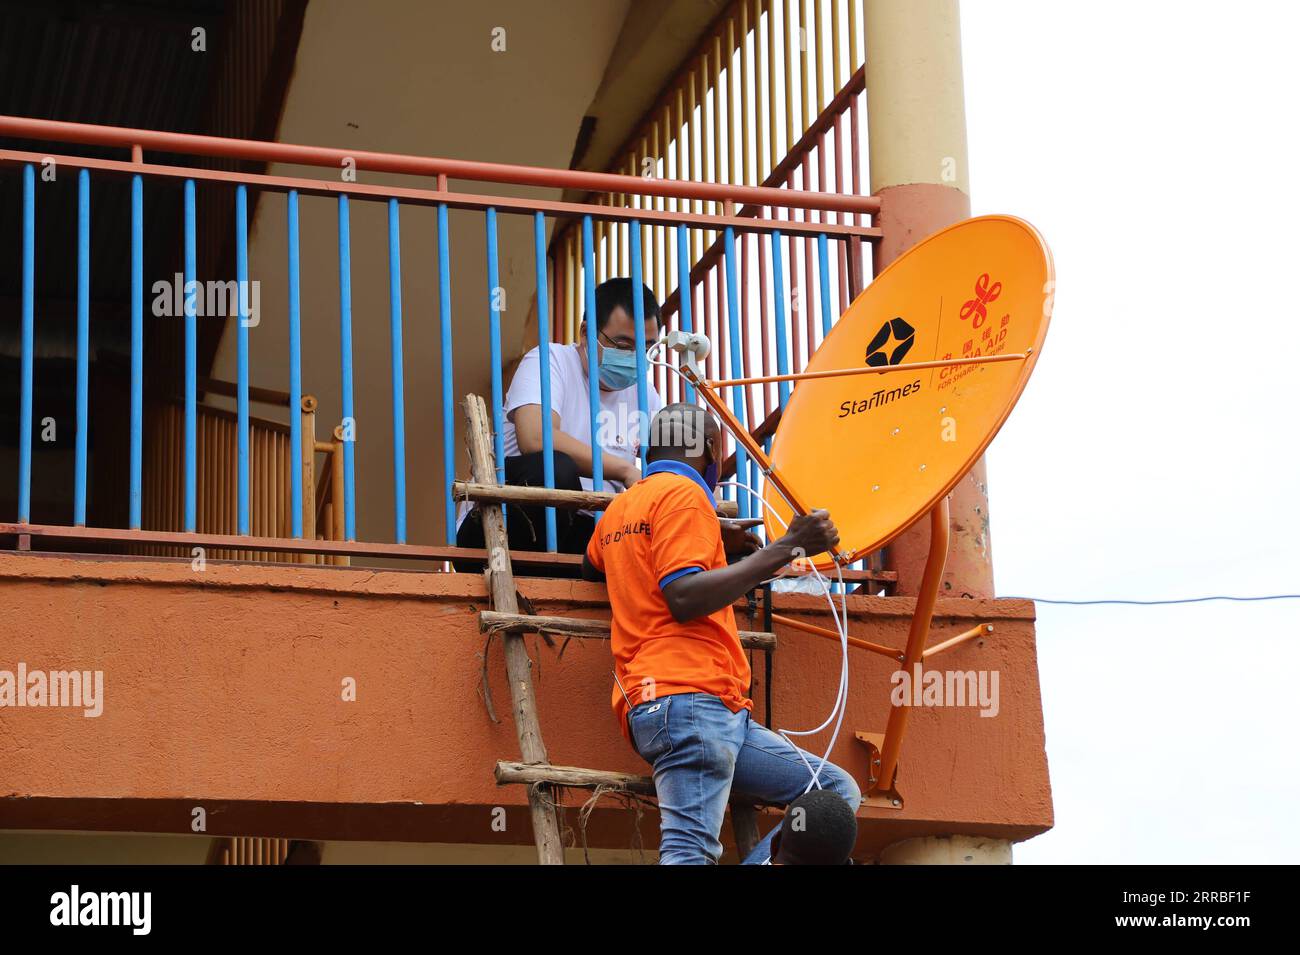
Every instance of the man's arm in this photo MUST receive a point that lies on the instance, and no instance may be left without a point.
(527, 420)
(700, 594)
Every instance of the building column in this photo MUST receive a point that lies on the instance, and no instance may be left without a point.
(948, 850)
(916, 123)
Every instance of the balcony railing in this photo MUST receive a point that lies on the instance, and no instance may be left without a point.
(756, 216)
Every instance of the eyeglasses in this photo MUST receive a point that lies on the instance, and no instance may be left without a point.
(622, 344)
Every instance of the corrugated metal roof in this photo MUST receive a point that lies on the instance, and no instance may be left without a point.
(127, 64)
(116, 63)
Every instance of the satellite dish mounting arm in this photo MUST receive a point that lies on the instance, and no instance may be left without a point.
(692, 348)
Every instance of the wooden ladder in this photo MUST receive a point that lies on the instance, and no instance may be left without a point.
(534, 768)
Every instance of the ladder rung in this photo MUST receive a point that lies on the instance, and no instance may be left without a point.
(552, 497)
(529, 774)
(495, 621)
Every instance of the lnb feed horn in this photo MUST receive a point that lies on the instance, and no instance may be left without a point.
(692, 347)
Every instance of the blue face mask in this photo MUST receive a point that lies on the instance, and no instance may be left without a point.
(711, 475)
(618, 368)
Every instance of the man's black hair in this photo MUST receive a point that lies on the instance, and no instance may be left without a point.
(679, 430)
(819, 828)
(618, 292)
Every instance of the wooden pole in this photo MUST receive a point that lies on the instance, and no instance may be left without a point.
(501, 584)
(583, 627)
(336, 493)
(308, 437)
(576, 777)
(554, 497)
(571, 776)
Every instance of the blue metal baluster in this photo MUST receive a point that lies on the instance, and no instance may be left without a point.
(494, 347)
(399, 400)
(638, 319)
(448, 392)
(782, 334)
(778, 299)
(28, 346)
(593, 356)
(189, 293)
(241, 279)
(345, 357)
(295, 369)
(137, 348)
(737, 393)
(83, 346)
(544, 363)
(684, 302)
(825, 269)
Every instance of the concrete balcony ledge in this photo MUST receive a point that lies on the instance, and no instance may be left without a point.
(377, 582)
(347, 703)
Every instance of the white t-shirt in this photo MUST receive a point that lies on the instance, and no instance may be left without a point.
(571, 400)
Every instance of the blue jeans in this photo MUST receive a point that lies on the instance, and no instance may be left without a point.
(700, 752)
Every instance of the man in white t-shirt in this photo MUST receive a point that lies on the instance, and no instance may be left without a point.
(618, 423)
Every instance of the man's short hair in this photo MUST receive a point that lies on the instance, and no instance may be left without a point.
(618, 292)
(819, 828)
(680, 429)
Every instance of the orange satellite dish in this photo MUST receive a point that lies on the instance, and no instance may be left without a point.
(880, 450)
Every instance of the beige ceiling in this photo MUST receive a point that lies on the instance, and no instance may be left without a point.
(657, 38)
(418, 77)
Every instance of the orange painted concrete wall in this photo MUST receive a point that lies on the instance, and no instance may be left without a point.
(223, 690)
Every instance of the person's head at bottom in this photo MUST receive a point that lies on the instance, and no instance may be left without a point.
(819, 828)
(688, 434)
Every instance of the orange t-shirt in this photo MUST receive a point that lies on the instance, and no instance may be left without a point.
(661, 528)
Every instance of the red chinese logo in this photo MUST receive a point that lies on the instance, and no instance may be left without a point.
(975, 308)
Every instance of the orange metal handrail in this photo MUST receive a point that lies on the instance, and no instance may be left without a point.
(427, 197)
(370, 161)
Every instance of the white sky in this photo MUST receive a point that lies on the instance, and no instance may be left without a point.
(1154, 453)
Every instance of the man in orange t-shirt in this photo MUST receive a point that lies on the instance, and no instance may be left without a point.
(681, 675)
